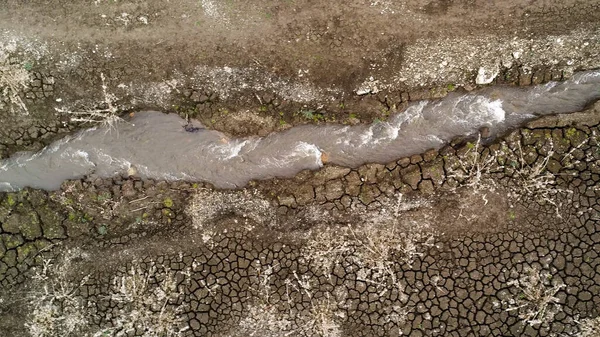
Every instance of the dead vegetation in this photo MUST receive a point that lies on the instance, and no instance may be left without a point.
(14, 78)
(147, 298)
(536, 302)
(55, 307)
(376, 248)
(589, 327)
(105, 113)
(535, 182)
(149, 302)
(266, 317)
(476, 169)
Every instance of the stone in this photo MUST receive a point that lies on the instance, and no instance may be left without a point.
(334, 190)
(426, 187)
(304, 194)
(12, 240)
(51, 224)
(353, 183)
(486, 75)
(524, 77)
(330, 172)
(369, 172)
(411, 176)
(430, 155)
(485, 132)
(434, 171)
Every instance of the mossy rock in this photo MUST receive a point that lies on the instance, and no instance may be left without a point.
(28, 250)
(168, 202)
(575, 136)
(26, 224)
(11, 200)
(12, 240)
(10, 258)
(51, 224)
(3, 269)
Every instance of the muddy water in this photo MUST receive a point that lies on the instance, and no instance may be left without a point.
(158, 146)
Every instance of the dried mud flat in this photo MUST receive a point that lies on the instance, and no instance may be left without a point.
(480, 238)
(498, 239)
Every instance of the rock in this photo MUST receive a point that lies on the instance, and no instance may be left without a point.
(51, 224)
(353, 184)
(485, 132)
(411, 176)
(330, 172)
(524, 77)
(28, 225)
(486, 75)
(131, 171)
(304, 194)
(287, 200)
(334, 190)
(369, 172)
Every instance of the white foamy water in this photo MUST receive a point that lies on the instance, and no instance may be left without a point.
(158, 146)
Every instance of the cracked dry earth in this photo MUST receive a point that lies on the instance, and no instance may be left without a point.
(484, 237)
(454, 242)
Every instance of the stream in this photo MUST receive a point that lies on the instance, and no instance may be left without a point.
(158, 146)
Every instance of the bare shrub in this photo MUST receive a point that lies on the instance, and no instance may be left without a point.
(473, 169)
(55, 307)
(148, 301)
(589, 327)
(375, 248)
(327, 248)
(14, 78)
(535, 182)
(536, 303)
(264, 318)
(105, 113)
(321, 320)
